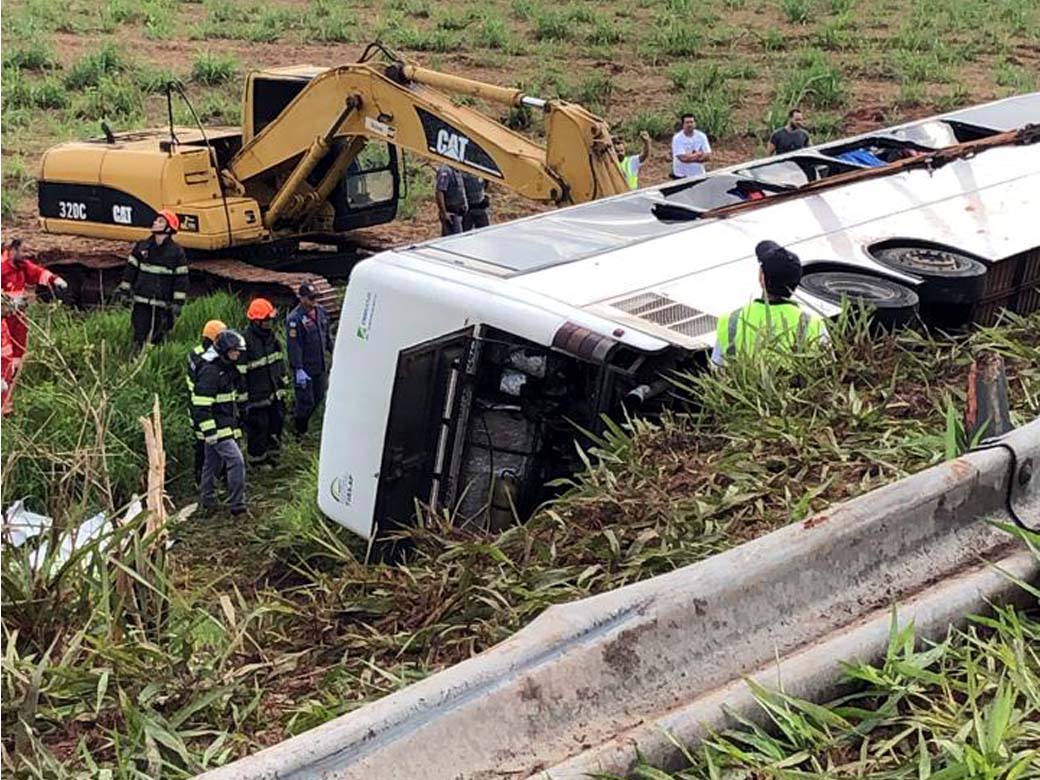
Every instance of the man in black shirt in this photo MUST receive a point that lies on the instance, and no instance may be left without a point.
(790, 137)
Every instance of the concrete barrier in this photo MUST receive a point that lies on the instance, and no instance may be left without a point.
(587, 683)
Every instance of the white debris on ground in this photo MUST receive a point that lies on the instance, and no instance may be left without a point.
(21, 525)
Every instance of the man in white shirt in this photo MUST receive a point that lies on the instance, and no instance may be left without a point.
(690, 150)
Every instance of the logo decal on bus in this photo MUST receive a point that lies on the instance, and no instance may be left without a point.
(367, 315)
(342, 488)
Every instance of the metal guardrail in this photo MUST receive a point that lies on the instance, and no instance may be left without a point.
(589, 683)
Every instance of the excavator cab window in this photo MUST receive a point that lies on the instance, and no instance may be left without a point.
(368, 193)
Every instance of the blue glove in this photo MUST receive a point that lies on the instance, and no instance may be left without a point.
(302, 377)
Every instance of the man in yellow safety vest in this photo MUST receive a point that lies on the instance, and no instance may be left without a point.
(774, 320)
(630, 164)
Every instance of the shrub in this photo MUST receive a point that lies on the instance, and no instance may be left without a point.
(91, 69)
(774, 40)
(594, 90)
(110, 98)
(713, 110)
(816, 81)
(553, 25)
(492, 33)
(37, 56)
(213, 69)
(330, 21)
(605, 32)
(797, 11)
(675, 38)
(658, 124)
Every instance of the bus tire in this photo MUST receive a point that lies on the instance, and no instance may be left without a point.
(894, 305)
(950, 277)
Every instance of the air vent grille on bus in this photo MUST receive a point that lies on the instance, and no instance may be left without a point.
(662, 310)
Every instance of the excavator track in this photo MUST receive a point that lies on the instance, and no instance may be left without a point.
(93, 276)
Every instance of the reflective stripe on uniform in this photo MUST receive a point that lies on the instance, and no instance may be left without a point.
(152, 302)
(180, 295)
(132, 260)
(260, 362)
(203, 400)
(208, 425)
(161, 270)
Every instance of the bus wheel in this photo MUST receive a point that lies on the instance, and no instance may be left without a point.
(894, 304)
(952, 282)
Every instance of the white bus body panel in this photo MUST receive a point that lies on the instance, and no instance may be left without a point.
(711, 266)
(409, 296)
(395, 303)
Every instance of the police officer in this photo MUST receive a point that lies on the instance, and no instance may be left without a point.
(308, 339)
(215, 412)
(210, 331)
(478, 207)
(156, 275)
(451, 200)
(266, 384)
(774, 320)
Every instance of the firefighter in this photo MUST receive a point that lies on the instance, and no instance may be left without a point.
(156, 276)
(210, 331)
(16, 274)
(773, 320)
(308, 340)
(6, 355)
(266, 384)
(215, 413)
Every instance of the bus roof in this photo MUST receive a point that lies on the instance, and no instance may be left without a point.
(558, 237)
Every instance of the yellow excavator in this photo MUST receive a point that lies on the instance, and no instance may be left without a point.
(317, 156)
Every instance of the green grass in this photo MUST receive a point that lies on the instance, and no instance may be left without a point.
(797, 11)
(36, 56)
(967, 707)
(658, 124)
(248, 633)
(672, 37)
(92, 68)
(211, 69)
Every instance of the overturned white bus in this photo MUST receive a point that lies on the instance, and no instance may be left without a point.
(463, 364)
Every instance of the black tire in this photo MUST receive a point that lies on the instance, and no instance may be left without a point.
(950, 277)
(894, 304)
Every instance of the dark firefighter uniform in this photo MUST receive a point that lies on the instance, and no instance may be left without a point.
(215, 414)
(308, 340)
(194, 361)
(156, 276)
(266, 388)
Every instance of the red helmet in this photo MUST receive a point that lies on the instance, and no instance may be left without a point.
(173, 222)
(260, 309)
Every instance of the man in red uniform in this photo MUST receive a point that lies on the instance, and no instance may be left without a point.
(16, 274)
(6, 357)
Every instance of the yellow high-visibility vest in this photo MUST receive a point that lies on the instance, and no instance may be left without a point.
(782, 324)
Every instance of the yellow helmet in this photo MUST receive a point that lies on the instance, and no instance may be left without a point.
(212, 329)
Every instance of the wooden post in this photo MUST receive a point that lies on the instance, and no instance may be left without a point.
(988, 413)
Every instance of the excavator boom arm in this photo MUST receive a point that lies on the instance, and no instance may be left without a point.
(392, 104)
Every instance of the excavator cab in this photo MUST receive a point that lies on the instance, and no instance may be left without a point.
(368, 193)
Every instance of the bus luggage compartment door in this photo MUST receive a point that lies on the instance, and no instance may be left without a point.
(424, 418)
